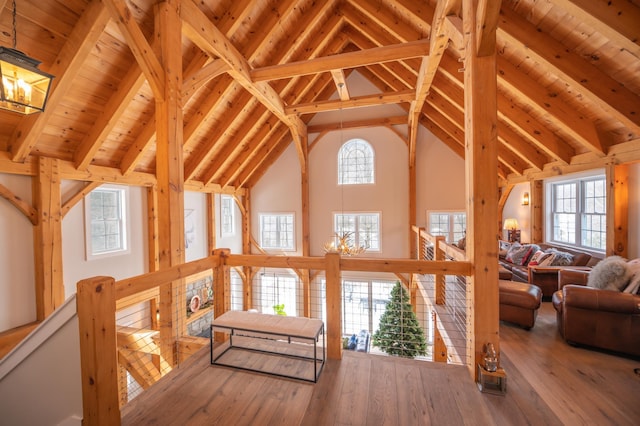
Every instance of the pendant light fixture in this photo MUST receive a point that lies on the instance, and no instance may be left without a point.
(343, 243)
(23, 87)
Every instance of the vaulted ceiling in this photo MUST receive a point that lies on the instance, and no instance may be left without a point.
(255, 72)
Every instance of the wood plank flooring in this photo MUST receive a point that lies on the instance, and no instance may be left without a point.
(549, 383)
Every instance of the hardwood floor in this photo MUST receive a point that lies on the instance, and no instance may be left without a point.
(549, 383)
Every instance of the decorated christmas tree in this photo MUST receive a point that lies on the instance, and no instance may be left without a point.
(399, 332)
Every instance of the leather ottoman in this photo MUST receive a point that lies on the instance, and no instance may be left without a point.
(519, 302)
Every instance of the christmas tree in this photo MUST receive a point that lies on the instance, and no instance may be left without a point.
(399, 332)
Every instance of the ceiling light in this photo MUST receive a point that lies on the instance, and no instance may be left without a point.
(23, 87)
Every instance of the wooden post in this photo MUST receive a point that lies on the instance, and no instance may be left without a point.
(618, 210)
(47, 238)
(439, 347)
(333, 327)
(440, 279)
(247, 283)
(221, 289)
(170, 173)
(96, 306)
(481, 161)
(537, 216)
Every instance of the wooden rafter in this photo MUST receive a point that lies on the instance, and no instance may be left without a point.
(67, 65)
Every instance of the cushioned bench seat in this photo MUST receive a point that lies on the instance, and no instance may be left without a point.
(274, 334)
(519, 302)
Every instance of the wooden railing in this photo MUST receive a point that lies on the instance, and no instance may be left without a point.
(99, 297)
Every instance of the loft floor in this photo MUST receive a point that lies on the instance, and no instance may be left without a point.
(549, 383)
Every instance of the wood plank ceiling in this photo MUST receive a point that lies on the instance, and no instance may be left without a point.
(255, 72)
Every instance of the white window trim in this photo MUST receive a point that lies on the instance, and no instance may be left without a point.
(450, 213)
(126, 228)
(359, 213)
(373, 165)
(293, 242)
(548, 207)
(232, 214)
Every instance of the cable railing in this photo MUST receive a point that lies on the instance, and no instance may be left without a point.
(154, 322)
(446, 298)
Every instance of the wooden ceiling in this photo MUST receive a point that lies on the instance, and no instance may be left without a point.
(568, 81)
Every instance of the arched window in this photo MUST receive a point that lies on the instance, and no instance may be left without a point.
(355, 163)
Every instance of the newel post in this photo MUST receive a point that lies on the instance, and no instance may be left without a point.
(96, 306)
(334, 306)
(221, 289)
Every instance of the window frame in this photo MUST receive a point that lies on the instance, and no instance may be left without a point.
(279, 216)
(123, 223)
(357, 175)
(357, 231)
(231, 214)
(579, 215)
(455, 236)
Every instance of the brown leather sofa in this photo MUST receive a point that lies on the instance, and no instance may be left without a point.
(599, 318)
(546, 277)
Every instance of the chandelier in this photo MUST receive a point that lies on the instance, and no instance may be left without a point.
(342, 244)
(23, 87)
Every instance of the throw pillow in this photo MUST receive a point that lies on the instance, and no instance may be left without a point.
(634, 284)
(503, 247)
(537, 257)
(611, 273)
(520, 254)
(547, 259)
(560, 258)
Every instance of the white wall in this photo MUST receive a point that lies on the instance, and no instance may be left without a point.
(17, 279)
(513, 208)
(440, 180)
(75, 264)
(440, 177)
(195, 226)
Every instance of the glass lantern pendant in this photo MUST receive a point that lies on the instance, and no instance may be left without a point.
(23, 88)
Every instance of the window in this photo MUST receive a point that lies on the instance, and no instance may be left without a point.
(106, 222)
(355, 163)
(277, 231)
(451, 225)
(278, 290)
(578, 212)
(227, 224)
(364, 229)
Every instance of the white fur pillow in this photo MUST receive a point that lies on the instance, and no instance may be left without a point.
(611, 273)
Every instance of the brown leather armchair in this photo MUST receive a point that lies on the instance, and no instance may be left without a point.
(600, 318)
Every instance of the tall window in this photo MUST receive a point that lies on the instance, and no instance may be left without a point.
(355, 163)
(105, 221)
(451, 225)
(226, 215)
(278, 290)
(364, 228)
(277, 231)
(578, 212)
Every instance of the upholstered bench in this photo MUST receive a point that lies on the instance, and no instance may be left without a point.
(519, 302)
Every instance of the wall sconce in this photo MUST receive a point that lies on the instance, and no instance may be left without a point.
(513, 233)
(525, 199)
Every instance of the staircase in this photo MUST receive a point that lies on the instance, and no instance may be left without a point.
(40, 378)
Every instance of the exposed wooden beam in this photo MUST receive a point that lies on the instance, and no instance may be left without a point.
(356, 59)
(618, 21)
(593, 83)
(355, 102)
(142, 51)
(359, 124)
(24, 207)
(488, 12)
(66, 67)
(210, 39)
